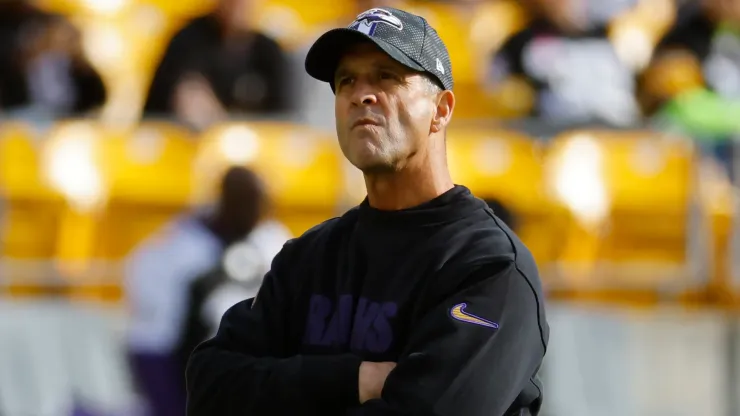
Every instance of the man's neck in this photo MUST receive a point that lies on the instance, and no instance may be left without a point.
(408, 187)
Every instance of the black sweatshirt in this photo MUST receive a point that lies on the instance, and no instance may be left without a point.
(444, 289)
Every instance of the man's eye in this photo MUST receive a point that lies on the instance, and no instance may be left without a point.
(344, 81)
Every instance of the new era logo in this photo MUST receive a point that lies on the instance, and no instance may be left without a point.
(440, 68)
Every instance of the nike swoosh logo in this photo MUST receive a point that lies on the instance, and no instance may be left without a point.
(458, 313)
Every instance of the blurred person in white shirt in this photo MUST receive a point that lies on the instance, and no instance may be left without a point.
(159, 274)
(237, 277)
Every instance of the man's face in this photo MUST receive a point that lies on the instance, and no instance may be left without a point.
(568, 15)
(236, 13)
(724, 10)
(383, 110)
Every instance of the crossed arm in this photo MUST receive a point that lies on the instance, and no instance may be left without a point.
(449, 367)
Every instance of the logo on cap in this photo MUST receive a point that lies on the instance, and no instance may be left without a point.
(366, 22)
(440, 68)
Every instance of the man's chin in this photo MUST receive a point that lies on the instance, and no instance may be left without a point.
(375, 167)
(368, 158)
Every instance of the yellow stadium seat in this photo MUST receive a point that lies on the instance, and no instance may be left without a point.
(721, 201)
(116, 186)
(70, 166)
(149, 162)
(148, 169)
(506, 166)
(295, 22)
(301, 167)
(181, 9)
(31, 207)
(36, 179)
(77, 7)
(20, 160)
(638, 223)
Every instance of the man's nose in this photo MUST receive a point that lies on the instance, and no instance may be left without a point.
(364, 94)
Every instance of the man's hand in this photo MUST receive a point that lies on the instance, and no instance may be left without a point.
(196, 102)
(372, 378)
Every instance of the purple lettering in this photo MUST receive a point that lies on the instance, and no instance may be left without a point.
(381, 338)
(338, 331)
(318, 311)
(364, 317)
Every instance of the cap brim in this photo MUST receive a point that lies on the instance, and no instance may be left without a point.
(323, 57)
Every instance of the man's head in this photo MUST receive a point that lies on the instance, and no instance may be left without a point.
(567, 15)
(392, 79)
(723, 10)
(235, 15)
(242, 203)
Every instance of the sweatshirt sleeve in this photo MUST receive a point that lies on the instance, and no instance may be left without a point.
(248, 369)
(472, 354)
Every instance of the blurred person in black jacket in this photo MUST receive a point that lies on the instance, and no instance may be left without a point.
(218, 64)
(42, 65)
(566, 61)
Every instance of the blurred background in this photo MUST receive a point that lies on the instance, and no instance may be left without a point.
(155, 155)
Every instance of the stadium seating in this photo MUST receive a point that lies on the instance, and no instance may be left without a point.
(294, 23)
(150, 176)
(182, 9)
(87, 194)
(599, 209)
(638, 222)
(30, 206)
(33, 210)
(720, 203)
(636, 211)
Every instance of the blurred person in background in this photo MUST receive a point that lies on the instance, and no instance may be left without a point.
(565, 58)
(160, 272)
(42, 66)
(219, 64)
(237, 276)
(692, 86)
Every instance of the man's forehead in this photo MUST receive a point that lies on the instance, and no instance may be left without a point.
(364, 54)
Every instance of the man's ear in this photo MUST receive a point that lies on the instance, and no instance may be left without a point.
(445, 105)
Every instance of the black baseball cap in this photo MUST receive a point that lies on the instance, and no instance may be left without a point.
(405, 37)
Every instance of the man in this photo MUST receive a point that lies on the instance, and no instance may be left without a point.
(567, 62)
(42, 66)
(157, 280)
(219, 64)
(236, 277)
(420, 301)
(317, 101)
